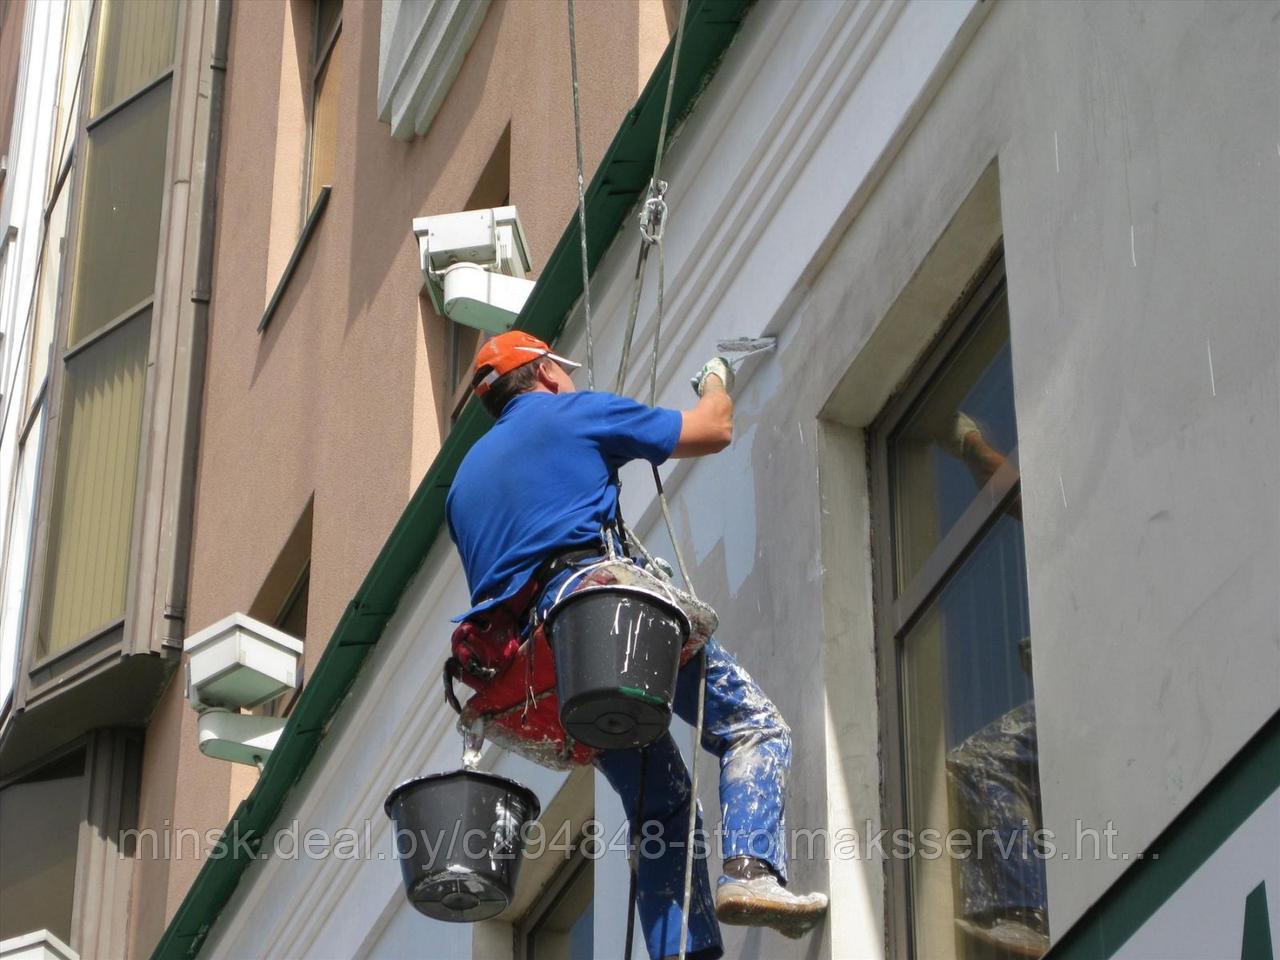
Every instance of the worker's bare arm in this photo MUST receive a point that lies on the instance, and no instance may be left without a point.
(708, 427)
(983, 460)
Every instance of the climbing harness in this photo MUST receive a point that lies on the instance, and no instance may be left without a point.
(504, 654)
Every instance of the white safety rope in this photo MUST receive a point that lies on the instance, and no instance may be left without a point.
(653, 217)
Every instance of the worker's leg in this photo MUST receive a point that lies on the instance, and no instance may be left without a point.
(744, 729)
(659, 830)
(995, 783)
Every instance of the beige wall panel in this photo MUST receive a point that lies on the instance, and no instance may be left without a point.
(173, 770)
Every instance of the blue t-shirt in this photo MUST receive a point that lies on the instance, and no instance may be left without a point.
(544, 480)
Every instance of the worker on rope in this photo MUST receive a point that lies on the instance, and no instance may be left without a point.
(533, 500)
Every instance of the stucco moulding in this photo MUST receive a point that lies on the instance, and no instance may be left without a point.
(421, 49)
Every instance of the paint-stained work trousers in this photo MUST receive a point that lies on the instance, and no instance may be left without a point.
(995, 784)
(744, 729)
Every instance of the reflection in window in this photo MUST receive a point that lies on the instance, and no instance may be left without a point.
(565, 929)
(962, 647)
(945, 451)
(971, 752)
(39, 835)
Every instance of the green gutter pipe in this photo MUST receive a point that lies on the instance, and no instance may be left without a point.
(617, 186)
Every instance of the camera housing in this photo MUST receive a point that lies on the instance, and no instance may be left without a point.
(233, 665)
(474, 264)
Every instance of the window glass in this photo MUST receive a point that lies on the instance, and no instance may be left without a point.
(492, 189)
(940, 457)
(39, 833)
(17, 555)
(971, 755)
(91, 518)
(327, 14)
(68, 106)
(47, 295)
(135, 45)
(120, 213)
(566, 930)
(464, 341)
(975, 880)
(324, 124)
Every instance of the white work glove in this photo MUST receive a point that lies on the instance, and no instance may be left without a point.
(952, 439)
(660, 568)
(718, 366)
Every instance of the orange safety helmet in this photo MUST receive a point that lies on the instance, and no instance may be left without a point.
(501, 354)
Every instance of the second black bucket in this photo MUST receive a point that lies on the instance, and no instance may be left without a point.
(617, 651)
(460, 839)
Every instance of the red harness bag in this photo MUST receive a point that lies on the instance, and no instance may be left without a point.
(515, 702)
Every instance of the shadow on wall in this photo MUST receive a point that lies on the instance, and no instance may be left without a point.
(298, 282)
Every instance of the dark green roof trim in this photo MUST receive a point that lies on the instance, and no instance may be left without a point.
(1230, 798)
(615, 189)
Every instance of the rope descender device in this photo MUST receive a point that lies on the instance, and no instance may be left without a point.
(653, 212)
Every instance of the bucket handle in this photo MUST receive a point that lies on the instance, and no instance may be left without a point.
(577, 575)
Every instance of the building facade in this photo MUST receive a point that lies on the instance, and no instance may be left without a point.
(999, 530)
(331, 380)
(104, 308)
(974, 533)
(223, 378)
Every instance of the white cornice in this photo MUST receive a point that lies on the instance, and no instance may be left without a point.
(420, 51)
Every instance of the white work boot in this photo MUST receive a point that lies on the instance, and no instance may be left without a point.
(1022, 933)
(750, 895)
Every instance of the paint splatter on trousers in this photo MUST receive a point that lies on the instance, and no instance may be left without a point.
(753, 743)
(995, 784)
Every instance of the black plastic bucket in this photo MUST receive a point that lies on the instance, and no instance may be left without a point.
(460, 839)
(617, 651)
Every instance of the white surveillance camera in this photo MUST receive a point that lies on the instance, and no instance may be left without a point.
(474, 264)
(239, 663)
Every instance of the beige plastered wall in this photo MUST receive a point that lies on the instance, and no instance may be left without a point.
(338, 399)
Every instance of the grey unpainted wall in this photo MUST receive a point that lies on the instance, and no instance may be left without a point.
(1139, 180)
